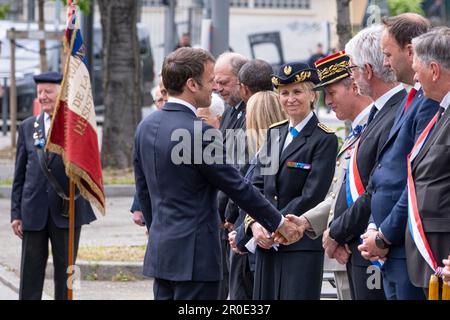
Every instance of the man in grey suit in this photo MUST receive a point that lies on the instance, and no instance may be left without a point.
(430, 171)
(178, 171)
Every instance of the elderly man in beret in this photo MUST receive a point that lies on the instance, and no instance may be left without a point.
(39, 199)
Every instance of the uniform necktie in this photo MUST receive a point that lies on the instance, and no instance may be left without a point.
(410, 98)
(372, 113)
(294, 132)
(355, 132)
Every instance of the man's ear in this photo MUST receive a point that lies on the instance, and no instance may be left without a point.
(435, 71)
(191, 85)
(409, 51)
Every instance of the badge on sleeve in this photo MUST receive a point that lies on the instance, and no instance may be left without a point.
(299, 165)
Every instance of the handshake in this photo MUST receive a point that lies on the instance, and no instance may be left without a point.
(292, 229)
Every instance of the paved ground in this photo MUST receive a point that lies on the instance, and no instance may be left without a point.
(7, 294)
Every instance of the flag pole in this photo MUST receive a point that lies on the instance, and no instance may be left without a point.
(71, 269)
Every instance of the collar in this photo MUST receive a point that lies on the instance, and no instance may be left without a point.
(446, 101)
(302, 123)
(184, 103)
(381, 101)
(417, 86)
(361, 118)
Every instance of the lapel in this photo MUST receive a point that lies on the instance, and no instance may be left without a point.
(435, 133)
(400, 119)
(347, 144)
(299, 140)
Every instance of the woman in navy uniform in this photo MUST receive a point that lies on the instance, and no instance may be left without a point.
(306, 152)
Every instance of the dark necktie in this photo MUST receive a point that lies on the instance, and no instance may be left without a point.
(355, 132)
(372, 113)
(441, 113)
(410, 98)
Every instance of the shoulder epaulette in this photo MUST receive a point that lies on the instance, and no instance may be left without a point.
(325, 128)
(276, 124)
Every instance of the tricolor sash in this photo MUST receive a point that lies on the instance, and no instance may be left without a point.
(414, 221)
(354, 187)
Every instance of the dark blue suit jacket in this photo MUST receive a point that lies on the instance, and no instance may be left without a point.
(388, 181)
(33, 198)
(182, 211)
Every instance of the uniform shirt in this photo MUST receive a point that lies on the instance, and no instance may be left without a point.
(299, 128)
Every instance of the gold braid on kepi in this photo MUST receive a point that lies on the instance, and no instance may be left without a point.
(332, 69)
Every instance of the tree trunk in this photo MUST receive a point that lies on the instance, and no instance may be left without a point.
(344, 26)
(122, 93)
(42, 51)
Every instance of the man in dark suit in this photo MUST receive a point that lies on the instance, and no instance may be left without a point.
(378, 82)
(177, 183)
(429, 169)
(38, 213)
(226, 83)
(388, 180)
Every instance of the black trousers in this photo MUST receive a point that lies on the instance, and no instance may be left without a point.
(185, 290)
(34, 260)
(241, 277)
(359, 290)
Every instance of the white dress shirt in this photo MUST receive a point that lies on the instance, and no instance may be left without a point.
(299, 128)
(184, 103)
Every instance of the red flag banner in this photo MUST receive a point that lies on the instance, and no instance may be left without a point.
(73, 133)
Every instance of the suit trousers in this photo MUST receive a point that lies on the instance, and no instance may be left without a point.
(185, 290)
(35, 256)
(358, 277)
(241, 277)
(225, 247)
(397, 285)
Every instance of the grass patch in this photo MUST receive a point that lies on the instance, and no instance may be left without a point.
(123, 277)
(112, 253)
(6, 182)
(116, 176)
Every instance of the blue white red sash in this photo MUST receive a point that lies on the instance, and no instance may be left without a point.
(414, 221)
(354, 187)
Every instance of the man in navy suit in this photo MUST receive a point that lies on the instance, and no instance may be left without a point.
(385, 237)
(179, 165)
(38, 213)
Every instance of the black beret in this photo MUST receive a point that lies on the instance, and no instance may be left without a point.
(293, 73)
(48, 77)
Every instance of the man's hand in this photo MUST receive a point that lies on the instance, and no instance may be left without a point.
(446, 271)
(329, 244)
(16, 225)
(138, 218)
(229, 226)
(288, 233)
(368, 248)
(232, 241)
(262, 236)
(342, 254)
(302, 223)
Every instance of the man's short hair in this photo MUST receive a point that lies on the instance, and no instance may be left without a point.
(183, 64)
(256, 75)
(433, 46)
(234, 60)
(406, 26)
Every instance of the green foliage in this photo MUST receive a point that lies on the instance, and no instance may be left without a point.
(84, 5)
(401, 6)
(4, 10)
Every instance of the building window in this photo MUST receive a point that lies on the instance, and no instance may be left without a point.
(272, 4)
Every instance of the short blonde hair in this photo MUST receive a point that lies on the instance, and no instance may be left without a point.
(263, 109)
(306, 86)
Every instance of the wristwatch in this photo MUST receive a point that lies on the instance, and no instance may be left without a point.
(380, 243)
